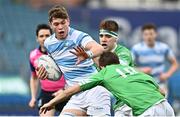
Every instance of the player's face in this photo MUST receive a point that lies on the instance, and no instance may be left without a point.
(107, 41)
(149, 36)
(60, 27)
(42, 35)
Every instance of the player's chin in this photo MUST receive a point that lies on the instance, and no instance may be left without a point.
(106, 50)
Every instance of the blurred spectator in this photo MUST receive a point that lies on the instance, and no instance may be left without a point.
(69, 3)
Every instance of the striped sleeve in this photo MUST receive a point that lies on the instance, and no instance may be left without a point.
(85, 40)
(169, 53)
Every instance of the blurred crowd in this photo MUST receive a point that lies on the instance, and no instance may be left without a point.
(113, 4)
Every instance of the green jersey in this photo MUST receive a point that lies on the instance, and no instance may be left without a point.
(134, 88)
(124, 55)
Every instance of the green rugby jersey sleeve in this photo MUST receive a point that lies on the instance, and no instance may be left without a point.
(95, 80)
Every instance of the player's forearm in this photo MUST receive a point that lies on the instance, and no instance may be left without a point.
(96, 60)
(95, 48)
(97, 51)
(34, 87)
(172, 69)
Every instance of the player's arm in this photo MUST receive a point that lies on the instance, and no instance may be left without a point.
(33, 87)
(89, 49)
(171, 70)
(62, 95)
(95, 48)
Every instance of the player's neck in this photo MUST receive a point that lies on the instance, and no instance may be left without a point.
(115, 46)
(151, 45)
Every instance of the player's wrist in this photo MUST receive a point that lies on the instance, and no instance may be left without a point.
(90, 54)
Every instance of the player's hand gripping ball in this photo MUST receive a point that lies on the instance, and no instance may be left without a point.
(54, 73)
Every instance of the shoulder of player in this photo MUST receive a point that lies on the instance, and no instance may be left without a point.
(122, 50)
(121, 47)
(161, 44)
(78, 33)
(49, 39)
(33, 53)
(78, 36)
(138, 46)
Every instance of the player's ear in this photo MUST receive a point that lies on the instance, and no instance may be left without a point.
(68, 20)
(49, 23)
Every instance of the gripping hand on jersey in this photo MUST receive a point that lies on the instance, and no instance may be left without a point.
(80, 53)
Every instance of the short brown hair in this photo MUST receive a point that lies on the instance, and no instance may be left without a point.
(109, 25)
(108, 58)
(58, 12)
(149, 26)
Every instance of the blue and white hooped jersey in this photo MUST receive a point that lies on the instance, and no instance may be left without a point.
(155, 57)
(60, 51)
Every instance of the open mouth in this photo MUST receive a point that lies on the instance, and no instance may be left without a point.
(61, 33)
(104, 45)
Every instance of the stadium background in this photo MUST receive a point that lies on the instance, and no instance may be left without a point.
(18, 20)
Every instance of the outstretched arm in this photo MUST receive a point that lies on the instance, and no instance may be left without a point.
(64, 94)
(91, 50)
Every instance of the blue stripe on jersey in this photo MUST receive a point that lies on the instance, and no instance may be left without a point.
(70, 61)
(67, 62)
(63, 45)
(149, 52)
(80, 37)
(54, 47)
(80, 72)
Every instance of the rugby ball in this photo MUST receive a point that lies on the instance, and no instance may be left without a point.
(51, 67)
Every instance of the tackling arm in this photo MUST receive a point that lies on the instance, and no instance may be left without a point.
(64, 94)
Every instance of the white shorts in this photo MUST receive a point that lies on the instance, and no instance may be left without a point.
(95, 101)
(123, 111)
(162, 108)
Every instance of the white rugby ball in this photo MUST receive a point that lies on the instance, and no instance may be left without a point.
(51, 67)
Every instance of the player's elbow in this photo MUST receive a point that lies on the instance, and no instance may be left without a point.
(175, 65)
